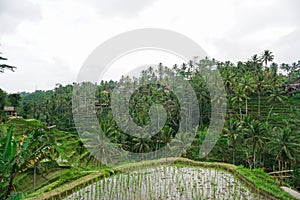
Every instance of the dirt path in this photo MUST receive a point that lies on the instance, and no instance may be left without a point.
(291, 191)
(29, 120)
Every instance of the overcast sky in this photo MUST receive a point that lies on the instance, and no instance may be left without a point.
(48, 40)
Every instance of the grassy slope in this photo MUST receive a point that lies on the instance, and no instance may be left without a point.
(22, 126)
(280, 111)
(257, 180)
(263, 181)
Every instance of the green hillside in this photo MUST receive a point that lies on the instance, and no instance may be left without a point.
(280, 111)
(60, 165)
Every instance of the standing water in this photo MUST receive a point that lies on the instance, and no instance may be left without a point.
(167, 182)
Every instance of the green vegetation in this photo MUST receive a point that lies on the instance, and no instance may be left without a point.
(33, 156)
(264, 182)
(261, 130)
(18, 155)
(22, 126)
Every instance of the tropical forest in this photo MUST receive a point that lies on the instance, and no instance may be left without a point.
(44, 153)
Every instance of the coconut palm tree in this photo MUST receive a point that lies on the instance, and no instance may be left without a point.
(285, 146)
(100, 148)
(276, 95)
(255, 59)
(232, 130)
(267, 56)
(200, 89)
(229, 79)
(274, 68)
(255, 64)
(238, 97)
(247, 84)
(287, 68)
(167, 135)
(260, 85)
(141, 144)
(255, 133)
(181, 142)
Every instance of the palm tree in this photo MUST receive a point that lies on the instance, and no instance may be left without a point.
(238, 97)
(274, 68)
(276, 95)
(167, 135)
(202, 94)
(100, 147)
(255, 136)
(294, 69)
(285, 146)
(180, 143)
(232, 130)
(228, 78)
(255, 63)
(247, 85)
(287, 68)
(261, 84)
(255, 59)
(267, 56)
(142, 145)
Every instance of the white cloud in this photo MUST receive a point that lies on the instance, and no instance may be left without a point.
(49, 40)
(288, 47)
(111, 8)
(14, 12)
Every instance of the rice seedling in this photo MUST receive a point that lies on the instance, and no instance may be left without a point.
(167, 182)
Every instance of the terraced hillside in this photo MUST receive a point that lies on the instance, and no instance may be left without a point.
(55, 167)
(280, 111)
(211, 181)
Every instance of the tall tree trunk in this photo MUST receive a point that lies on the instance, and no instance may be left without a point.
(156, 148)
(269, 114)
(248, 159)
(260, 159)
(254, 155)
(233, 155)
(10, 185)
(259, 104)
(285, 165)
(34, 176)
(240, 110)
(246, 101)
(279, 166)
(263, 160)
(254, 159)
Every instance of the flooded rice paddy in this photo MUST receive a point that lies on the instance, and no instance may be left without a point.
(167, 182)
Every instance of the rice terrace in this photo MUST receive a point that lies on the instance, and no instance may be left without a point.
(117, 100)
(259, 141)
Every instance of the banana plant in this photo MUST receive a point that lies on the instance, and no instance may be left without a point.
(16, 156)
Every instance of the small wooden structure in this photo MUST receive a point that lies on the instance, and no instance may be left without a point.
(281, 175)
(10, 111)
